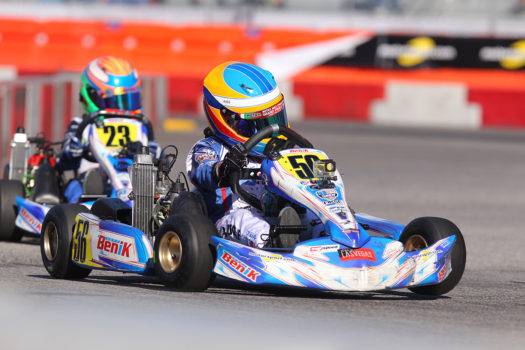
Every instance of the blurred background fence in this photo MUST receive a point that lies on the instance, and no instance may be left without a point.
(44, 105)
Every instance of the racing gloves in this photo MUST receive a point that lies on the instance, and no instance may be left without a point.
(154, 149)
(74, 147)
(233, 161)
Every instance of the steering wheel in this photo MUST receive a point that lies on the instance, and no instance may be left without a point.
(108, 114)
(294, 139)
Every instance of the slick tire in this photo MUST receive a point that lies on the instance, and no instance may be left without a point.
(188, 203)
(184, 252)
(9, 189)
(56, 242)
(425, 231)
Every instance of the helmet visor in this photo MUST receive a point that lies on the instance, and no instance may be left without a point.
(248, 127)
(129, 101)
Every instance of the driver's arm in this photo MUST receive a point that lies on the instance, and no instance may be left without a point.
(203, 160)
(149, 128)
(71, 155)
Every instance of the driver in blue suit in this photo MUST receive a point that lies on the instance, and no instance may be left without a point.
(106, 83)
(239, 100)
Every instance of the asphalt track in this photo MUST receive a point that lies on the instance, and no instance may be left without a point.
(476, 179)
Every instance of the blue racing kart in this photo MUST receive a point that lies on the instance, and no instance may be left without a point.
(32, 185)
(167, 233)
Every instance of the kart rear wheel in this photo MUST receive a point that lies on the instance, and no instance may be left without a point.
(56, 240)
(9, 189)
(189, 203)
(423, 232)
(184, 252)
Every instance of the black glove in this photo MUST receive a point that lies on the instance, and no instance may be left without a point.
(234, 160)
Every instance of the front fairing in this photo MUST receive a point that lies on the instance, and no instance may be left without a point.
(380, 264)
(287, 177)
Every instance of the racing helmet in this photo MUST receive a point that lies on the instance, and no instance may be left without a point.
(241, 99)
(110, 83)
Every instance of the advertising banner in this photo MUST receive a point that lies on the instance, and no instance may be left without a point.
(407, 52)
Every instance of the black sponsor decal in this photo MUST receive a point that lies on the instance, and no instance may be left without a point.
(230, 231)
(413, 52)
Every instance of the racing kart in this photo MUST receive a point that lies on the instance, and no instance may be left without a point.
(358, 252)
(32, 185)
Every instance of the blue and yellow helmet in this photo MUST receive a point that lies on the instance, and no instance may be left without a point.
(110, 83)
(241, 99)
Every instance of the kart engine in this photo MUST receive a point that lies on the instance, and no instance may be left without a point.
(153, 190)
(19, 155)
(142, 174)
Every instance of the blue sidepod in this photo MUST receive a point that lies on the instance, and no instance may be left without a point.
(30, 215)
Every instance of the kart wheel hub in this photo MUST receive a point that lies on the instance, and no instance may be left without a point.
(170, 251)
(51, 241)
(415, 242)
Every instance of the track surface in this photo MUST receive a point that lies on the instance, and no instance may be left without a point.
(476, 179)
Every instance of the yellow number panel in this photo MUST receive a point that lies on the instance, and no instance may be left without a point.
(301, 164)
(81, 247)
(117, 134)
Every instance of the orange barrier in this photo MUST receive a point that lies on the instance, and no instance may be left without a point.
(187, 53)
(347, 93)
(50, 46)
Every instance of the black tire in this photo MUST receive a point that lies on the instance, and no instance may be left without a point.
(56, 242)
(9, 189)
(425, 231)
(184, 252)
(188, 203)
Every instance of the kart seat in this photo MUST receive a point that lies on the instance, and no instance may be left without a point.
(93, 183)
(46, 185)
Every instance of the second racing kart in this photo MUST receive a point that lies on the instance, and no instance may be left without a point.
(166, 232)
(32, 184)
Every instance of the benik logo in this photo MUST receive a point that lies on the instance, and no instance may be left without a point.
(113, 246)
(31, 219)
(354, 254)
(240, 267)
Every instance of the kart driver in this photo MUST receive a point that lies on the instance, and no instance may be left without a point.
(239, 100)
(106, 83)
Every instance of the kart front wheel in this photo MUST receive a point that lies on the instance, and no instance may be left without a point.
(56, 240)
(184, 253)
(9, 189)
(423, 232)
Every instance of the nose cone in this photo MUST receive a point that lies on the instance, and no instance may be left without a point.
(352, 238)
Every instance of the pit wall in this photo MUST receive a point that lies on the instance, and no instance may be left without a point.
(184, 54)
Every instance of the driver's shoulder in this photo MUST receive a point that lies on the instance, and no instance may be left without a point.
(210, 142)
(75, 122)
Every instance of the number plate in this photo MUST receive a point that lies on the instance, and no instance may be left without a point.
(301, 164)
(117, 133)
(81, 249)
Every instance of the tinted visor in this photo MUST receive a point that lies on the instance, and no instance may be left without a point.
(129, 101)
(249, 127)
